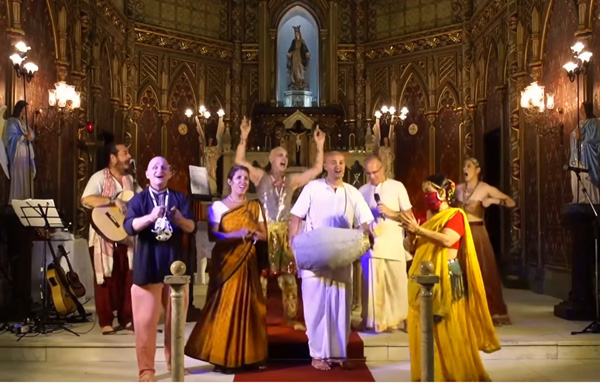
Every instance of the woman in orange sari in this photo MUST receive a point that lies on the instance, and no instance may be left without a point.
(232, 330)
(462, 322)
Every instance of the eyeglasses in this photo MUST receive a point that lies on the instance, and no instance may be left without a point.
(373, 172)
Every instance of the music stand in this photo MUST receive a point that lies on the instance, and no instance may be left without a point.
(199, 185)
(42, 214)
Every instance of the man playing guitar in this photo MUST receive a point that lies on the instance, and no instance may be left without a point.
(112, 261)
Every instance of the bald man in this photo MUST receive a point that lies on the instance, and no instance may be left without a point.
(385, 284)
(327, 294)
(159, 217)
(275, 191)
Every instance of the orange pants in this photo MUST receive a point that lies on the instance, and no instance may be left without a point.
(147, 301)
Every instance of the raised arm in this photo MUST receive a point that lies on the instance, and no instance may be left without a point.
(495, 196)
(256, 174)
(299, 180)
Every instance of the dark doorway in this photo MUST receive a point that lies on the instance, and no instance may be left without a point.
(491, 174)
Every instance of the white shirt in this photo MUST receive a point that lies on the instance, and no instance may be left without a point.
(393, 194)
(218, 208)
(322, 206)
(95, 186)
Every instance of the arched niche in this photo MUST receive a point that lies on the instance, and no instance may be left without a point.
(297, 16)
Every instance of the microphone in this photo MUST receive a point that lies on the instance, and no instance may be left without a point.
(574, 169)
(378, 200)
(132, 166)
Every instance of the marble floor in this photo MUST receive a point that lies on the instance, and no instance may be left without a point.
(547, 370)
(537, 347)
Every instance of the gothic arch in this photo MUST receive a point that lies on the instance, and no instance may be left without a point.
(405, 81)
(280, 9)
(545, 26)
(447, 86)
(185, 71)
(591, 8)
(149, 84)
(486, 76)
(378, 100)
(106, 56)
(52, 24)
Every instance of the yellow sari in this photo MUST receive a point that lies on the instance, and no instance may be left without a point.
(232, 330)
(466, 326)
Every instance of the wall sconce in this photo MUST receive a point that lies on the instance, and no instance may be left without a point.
(62, 101)
(582, 60)
(388, 117)
(537, 107)
(24, 70)
(201, 119)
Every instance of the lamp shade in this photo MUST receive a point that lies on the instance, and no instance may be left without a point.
(16, 59)
(22, 47)
(570, 66)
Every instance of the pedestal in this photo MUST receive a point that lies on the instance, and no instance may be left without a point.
(297, 98)
(579, 220)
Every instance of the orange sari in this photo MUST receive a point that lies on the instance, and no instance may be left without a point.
(232, 330)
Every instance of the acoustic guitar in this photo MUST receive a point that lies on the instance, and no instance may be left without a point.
(72, 278)
(108, 220)
(62, 295)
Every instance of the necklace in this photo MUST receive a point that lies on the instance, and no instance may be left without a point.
(278, 186)
(467, 194)
(234, 201)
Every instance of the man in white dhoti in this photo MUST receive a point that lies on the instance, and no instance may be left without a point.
(385, 283)
(17, 137)
(327, 294)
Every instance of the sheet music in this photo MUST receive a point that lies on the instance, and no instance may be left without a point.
(199, 181)
(29, 213)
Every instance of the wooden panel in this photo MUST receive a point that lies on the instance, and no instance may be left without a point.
(554, 182)
(182, 149)
(447, 147)
(412, 151)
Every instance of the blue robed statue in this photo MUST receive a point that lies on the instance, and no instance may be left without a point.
(16, 156)
(586, 138)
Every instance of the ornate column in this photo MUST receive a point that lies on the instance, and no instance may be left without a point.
(264, 56)
(431, 118)
(359, 64)
(515, 268)
(584, 34)
(14, 32)
(332, 42)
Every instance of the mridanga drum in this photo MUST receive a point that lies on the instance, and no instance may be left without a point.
(329, 248)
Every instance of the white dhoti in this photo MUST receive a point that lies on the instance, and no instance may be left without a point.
(384, 293)
(327, 311)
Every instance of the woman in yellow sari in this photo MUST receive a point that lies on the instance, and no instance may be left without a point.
(232, 330)
(462, 323)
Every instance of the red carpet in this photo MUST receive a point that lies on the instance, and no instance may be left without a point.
(289, 358)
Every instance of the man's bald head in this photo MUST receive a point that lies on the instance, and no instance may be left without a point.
(158, 173)
(333, 154)
(278, 158)
(335, 166)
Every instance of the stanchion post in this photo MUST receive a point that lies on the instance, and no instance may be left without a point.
(178, 281)
(427, 280)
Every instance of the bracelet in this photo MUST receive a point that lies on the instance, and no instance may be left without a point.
(244, 239)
